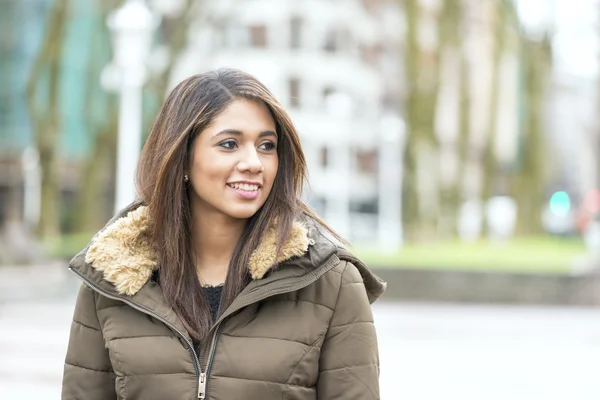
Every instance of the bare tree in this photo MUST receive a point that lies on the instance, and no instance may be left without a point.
(451, 43)
(13, 210)
(93, 199)
(44, 106)
(420, 102)
(501, 27)
(529, 178)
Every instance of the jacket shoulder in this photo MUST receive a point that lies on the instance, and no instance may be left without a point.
(86, 307)
(347, 271)
(355, 270)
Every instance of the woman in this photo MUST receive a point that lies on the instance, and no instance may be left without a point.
(218, 281)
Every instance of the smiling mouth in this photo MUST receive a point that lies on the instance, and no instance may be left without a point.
(244, 186)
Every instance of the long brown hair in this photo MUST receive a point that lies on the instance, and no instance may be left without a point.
(187, 111)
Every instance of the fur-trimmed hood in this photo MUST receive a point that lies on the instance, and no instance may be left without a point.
(123, 252)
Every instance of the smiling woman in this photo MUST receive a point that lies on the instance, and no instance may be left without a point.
(218, 280)
(234, 161)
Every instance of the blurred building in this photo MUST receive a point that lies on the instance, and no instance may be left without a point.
(330, 63)
(333, 64)
(23, 27)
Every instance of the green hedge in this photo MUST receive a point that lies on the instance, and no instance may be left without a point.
(528, 255)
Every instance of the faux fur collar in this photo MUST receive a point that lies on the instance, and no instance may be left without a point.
(124, 254)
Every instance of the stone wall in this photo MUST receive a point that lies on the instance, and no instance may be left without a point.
(490, 287)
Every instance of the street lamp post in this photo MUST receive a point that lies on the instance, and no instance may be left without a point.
(32, 187)
(132, 26)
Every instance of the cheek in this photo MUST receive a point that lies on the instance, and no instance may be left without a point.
(272, 169)
(209, 167)
(208, 173)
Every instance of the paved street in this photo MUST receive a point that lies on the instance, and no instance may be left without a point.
(432, 352)
(428, 352)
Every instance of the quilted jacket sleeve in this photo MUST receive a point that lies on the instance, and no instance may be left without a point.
(349, 363)
(88, 372)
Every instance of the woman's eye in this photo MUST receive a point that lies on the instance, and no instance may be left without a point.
(228, 144)
(268, 146)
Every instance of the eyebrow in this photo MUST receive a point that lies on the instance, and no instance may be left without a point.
(237, 132)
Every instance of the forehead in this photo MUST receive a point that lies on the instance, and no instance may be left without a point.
(244, 115)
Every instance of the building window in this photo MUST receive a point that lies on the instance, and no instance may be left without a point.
(324, 157)
(294, 88)
(370, 54)
(295, 32)
(258, 36)
(327, 91)
(366, 161)
(337, 39)
(364, 206)
(331, 41)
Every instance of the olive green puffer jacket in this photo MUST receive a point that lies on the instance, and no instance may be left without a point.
(301, 331)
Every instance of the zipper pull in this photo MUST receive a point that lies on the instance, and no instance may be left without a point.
(202, 386)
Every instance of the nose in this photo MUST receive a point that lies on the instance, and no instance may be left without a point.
(250, 162)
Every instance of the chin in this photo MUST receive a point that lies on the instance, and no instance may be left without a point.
(242, 212)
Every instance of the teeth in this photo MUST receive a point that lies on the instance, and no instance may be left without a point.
(244, 186)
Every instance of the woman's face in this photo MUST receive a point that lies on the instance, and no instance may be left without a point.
(234, 161)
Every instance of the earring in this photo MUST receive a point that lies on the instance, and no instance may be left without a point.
(186, 178)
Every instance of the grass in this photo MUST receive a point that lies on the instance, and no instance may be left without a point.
(526, 255)
(66, 246)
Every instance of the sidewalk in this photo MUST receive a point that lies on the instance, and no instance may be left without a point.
(427, 351)
(50, 280)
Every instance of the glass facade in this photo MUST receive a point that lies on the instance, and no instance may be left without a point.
(24, 26)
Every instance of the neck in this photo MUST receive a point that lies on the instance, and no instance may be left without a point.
(215, 237)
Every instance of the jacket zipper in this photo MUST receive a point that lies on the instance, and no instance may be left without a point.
(201, 376)
(203, 387)
(258, 296)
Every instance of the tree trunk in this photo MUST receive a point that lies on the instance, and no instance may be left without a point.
(13, 209)
(101, 108)
(450, 42)
(490, 164)
(463, 134)
(47, 66)
(529, 181)
(422, 71)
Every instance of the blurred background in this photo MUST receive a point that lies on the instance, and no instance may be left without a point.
(455, 143)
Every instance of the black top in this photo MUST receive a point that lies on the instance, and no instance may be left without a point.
(213, 295)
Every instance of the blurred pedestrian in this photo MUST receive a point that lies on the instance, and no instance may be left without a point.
(218, 281)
